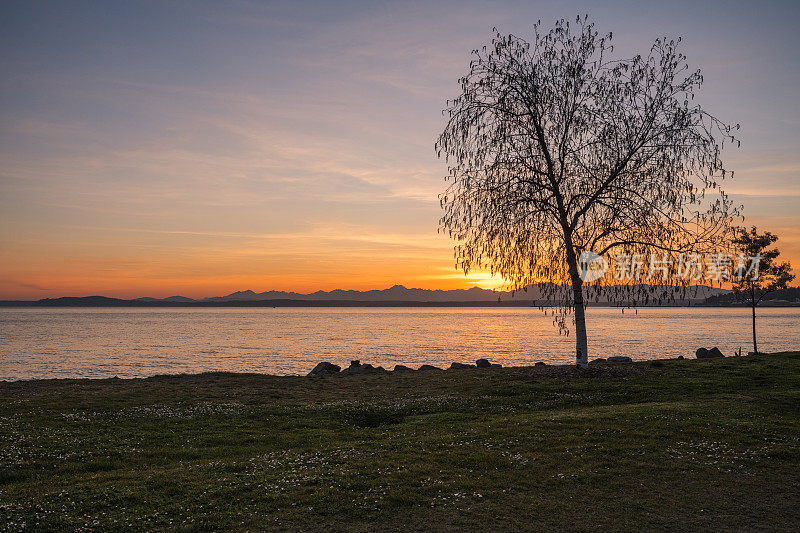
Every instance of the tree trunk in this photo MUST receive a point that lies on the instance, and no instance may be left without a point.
(581, 343)
(753, 307)
(755, 344)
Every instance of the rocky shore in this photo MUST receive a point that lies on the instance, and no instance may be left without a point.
(356, 367)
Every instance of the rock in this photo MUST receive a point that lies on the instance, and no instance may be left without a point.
(429, 367)
(483, 363)
(459, 366)
(598, 360)
(357, 368)
(496, 365)
(354, 370)
(402, 368)
(539, 363)
(620, 359)
(325, 369)
(702, 353)
(680, 357)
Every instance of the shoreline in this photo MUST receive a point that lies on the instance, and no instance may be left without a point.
(544, 370)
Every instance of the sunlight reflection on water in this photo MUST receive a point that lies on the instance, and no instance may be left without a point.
(105, 342)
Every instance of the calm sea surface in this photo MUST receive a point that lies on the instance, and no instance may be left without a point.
(70, 343)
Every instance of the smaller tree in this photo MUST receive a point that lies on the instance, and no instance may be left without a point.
(758, 272)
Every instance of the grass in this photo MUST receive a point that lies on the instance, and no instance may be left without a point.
(686, 445)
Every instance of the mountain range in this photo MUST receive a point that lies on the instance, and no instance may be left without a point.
(399, 293)
(396, 295)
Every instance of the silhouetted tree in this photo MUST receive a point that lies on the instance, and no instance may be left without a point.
(758, 273)
(555, 149)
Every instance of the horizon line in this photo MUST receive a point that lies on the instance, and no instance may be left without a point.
(395, 286)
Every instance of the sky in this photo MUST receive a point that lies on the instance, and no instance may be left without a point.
(199, 148)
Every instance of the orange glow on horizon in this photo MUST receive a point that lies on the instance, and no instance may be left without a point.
(127, 264)
(196, 279)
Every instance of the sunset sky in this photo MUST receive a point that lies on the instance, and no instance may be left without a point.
(160, 148)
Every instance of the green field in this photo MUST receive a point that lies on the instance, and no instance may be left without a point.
(711, 444)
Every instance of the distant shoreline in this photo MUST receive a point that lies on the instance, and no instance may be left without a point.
(92, 301)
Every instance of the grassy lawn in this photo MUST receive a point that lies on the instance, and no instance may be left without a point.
(711, 444)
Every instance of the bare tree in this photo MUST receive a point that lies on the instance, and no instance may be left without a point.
(758, 273)
(554, 149)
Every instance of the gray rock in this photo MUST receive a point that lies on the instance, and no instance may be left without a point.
(483, 363)
(325, 369)
(429, 367)
(539, 363)
(598, 360)
(620, 359)
(702, 353)
(360, 369)
(402, 368)
(357, 368)
(459, 366)
(681, 357)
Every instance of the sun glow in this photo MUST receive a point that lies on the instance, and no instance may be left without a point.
(484, 280)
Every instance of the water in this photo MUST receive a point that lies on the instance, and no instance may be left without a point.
(106, 342)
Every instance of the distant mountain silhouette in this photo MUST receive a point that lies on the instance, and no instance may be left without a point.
(787, 296)
(167, 299)
(398, 295)
(82, 300)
